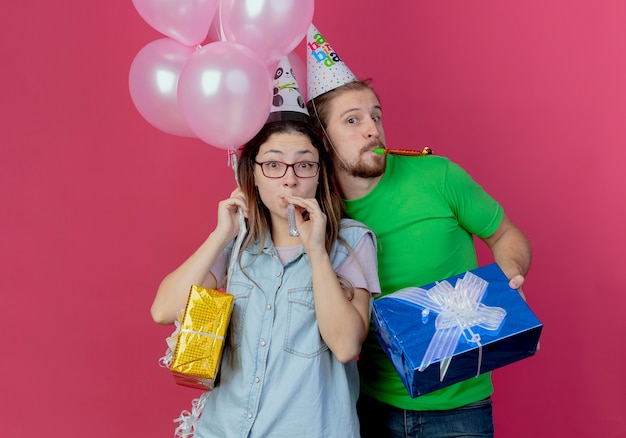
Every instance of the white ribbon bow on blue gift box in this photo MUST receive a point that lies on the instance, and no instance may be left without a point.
(459, 309)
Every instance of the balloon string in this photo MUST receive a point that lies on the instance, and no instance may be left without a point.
(242, 226)
(233, 163)
(221, 26)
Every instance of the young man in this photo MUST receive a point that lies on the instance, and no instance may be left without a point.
(425, 211)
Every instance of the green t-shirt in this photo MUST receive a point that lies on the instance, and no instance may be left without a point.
(424, 212)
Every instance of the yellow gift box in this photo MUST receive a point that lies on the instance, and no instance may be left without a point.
(198, 352)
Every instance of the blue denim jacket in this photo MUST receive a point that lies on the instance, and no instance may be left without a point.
(278, 378)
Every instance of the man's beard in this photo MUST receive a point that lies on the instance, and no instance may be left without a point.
(361, 169)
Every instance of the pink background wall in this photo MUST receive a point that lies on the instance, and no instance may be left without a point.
(97, 205)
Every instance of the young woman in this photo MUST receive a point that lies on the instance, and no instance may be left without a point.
(302, 302)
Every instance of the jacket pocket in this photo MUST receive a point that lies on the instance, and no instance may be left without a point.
(302, 336)
(241, 292)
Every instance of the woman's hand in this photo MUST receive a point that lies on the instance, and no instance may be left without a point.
(228, 215)
(312, 231)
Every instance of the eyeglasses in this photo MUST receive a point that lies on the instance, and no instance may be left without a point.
(278, 169)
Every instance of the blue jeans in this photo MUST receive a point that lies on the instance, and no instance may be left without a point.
(380, 420)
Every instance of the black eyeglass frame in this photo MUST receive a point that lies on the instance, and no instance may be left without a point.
(287, 166)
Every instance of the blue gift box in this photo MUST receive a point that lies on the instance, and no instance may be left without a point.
(406, 331)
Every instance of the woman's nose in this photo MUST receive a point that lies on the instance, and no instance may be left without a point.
(290, 178)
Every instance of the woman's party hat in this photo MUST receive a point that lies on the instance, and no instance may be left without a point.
(287, 102)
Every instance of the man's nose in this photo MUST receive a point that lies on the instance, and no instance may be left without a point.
(372, 129)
